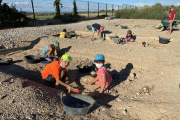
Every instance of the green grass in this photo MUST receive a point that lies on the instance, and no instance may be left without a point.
(39, 17)
(155, 12)
(46, 16)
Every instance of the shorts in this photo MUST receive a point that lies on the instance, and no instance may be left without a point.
(93, 29)
(170, 21)
(50, 80)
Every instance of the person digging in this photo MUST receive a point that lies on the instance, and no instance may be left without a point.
(48, 52)
(97, 28)
(55, 73)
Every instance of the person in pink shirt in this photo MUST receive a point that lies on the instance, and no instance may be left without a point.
(103, 78)
(171, 18)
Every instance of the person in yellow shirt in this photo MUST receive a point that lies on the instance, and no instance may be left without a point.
(64, 34)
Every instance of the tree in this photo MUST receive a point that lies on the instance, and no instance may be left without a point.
(57, 4)
(75, 13)
(10, 16)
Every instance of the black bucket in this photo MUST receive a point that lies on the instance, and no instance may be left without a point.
(77, 104)
(116, 40)
(115, 36)
(84, 67)
(164, 40)
(89, 27)
(124, 27)
(6, 61)
(32, 59)
(71, 33)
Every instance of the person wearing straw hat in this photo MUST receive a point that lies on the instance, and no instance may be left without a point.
(55, 73)
(97, 28)
(49, 50)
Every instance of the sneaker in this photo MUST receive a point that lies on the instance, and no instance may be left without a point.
(101, 38)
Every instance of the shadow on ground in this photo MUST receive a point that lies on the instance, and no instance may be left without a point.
(121, 76)
(103, 33)
(63, 51)
(18, 71)
(33, 43)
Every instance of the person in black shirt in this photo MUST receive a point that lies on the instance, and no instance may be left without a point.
(97, 28)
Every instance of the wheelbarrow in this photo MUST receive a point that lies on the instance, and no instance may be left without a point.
(165, 24)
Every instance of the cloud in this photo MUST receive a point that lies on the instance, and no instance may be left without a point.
(139, 4)
(177, 4)
(47, 2)
(25, 3)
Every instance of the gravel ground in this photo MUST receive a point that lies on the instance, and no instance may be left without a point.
(147, 89)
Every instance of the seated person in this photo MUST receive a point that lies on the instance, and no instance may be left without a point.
(129, 37)
(49, 50)
(64, 34)
(103, 78)
(54, 73)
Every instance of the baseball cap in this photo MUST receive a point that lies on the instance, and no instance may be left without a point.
(102, 27)
(55, 43)
(99, 58)
(66, 57)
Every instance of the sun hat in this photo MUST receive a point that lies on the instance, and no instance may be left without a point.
(99, 58)
(102, 27)
(55, 43)
(66, 57)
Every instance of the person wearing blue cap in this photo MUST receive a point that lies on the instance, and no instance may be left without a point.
(103, 78)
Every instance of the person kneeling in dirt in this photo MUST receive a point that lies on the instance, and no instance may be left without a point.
(129, 37)
(63, 34)
(103, 78)
(48, 51)
(55, 73)
(97, 28)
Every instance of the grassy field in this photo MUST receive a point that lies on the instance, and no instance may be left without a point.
(42, 17)
(156, 11)
(46, 16)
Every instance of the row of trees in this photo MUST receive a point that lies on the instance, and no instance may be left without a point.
(10, 17)
(66, 17)
(155, 12)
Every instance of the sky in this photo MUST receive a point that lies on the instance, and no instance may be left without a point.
(47, 5)
(139, 2)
